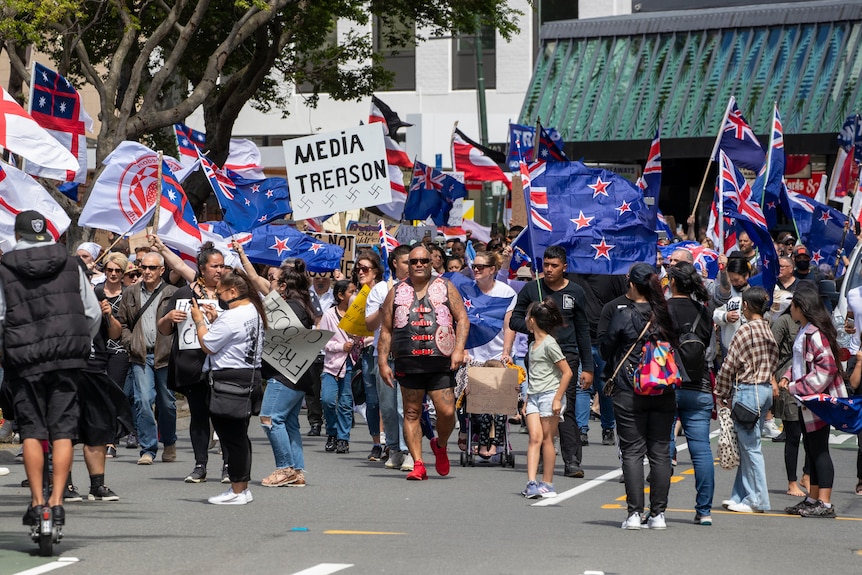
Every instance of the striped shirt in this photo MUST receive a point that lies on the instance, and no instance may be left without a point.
(751, 358)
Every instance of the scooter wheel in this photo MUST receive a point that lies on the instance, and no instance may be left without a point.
(46, 545)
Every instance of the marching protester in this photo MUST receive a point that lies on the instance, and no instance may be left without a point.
(694, 398)
(149, 353)
(389, 397)
(186, 364)
(814, 369)
(574, 339)
(233, 342)
(745, 378)
(644, 423)
(424, 315)
(49, 314)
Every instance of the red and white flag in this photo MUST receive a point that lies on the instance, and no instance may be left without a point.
(20, 192)
(57, 107)
(475, 164)
(22, 135)
(244, 159)
(395, 208)
(123, 198)
(384, 115)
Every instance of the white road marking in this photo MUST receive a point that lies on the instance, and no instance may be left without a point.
(609, 476)
(324, 569)
(840, 438)
(61, 562)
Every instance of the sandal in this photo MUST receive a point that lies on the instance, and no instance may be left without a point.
(462, 441)
(859, 487)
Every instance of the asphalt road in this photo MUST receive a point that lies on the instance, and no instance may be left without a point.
(356, 517)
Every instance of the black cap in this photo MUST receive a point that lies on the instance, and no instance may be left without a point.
(32, 226)
(639, 273)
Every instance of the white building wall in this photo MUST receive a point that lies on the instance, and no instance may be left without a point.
(598, 8)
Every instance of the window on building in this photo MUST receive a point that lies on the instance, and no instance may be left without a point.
(551, 11)
(400, 59)
(464, 60)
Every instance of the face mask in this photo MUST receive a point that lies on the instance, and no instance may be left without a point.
(802, 265)
(225, 305)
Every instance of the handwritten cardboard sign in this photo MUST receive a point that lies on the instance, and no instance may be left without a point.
(345, 241)
(290, 347)
(187, 334)
(492, 390)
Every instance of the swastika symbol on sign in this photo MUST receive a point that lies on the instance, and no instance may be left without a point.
(375, 190)
(329, 199)
(305, 203)
(353, 194)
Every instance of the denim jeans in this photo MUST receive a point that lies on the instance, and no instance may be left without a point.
(695, 410)
(585, 398)
(151, 386)
(750, 484)
(282, 404)
(392, 413)
(337, 400)
(372, 403)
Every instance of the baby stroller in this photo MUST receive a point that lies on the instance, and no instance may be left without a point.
(499, 437)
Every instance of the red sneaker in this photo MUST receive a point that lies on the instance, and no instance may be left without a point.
(441, 463)
(418, 473)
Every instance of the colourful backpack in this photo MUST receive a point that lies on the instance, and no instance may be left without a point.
(657, 371)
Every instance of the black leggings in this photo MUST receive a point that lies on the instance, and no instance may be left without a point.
(233, 436)
(793, 432)
(816, 444)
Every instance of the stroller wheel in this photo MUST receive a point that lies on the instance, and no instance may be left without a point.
(511, 460)
(463, 459)
(470, 459)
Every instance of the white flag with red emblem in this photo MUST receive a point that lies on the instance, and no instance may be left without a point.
(20, 134)
(20, 192)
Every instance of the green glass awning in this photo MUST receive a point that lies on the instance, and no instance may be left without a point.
(614, 79)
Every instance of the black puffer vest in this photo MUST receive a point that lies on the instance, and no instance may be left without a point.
(45, 328)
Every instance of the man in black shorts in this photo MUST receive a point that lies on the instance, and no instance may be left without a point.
(49, 314)
(424, 324)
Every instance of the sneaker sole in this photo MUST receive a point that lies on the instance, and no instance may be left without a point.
(548, 495)
(73, 499)
(193, 480)
(109, 498)
(295, 485)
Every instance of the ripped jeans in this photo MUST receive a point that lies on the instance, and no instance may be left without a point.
(282, 404)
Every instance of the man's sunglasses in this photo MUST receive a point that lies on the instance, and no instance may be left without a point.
(417, 261)
(152, 268)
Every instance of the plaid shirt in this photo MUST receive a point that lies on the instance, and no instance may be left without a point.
(751, 358)
(821, 375)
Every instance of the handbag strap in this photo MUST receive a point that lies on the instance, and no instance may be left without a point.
(629, 352)
(756, 396)
(144, 307)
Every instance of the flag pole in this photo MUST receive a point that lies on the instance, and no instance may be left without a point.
(158, 197)
(769, 155)
(841, 245)
(105, 252)
(712, 155)
(452, 144)
(536, 138)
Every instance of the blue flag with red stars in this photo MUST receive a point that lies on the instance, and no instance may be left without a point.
(272, 244)
(820, 227)
(486, 313)
(599, 217)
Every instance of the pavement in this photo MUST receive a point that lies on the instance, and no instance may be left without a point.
(357, 517)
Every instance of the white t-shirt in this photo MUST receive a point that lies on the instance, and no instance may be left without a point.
(854, 303)
(494, 348)
(236, 339)
(375, 299)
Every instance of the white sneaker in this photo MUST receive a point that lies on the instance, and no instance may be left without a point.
(740, 508)
(4, 471)
(657, 522)
(770, 429)
(230, 498)
(248, 496)
(633, 522)
(395, 461)
(727, 503)
(407, 465)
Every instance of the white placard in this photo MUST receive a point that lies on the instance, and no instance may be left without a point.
(186, 331)
(337, 171)
(290, 347)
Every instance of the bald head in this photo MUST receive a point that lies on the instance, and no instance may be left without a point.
(680, 255)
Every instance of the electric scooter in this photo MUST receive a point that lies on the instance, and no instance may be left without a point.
(45, 533)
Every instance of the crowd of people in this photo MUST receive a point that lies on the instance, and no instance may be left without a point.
(155, 327)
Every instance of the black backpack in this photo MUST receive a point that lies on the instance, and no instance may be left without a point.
(691, 354)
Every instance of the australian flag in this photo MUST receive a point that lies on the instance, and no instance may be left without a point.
(739, 205)
(247, 203)
(550, 145)
(599, 217)
(738, 141)
(272, 244)
(486, 313)
(432, 194)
